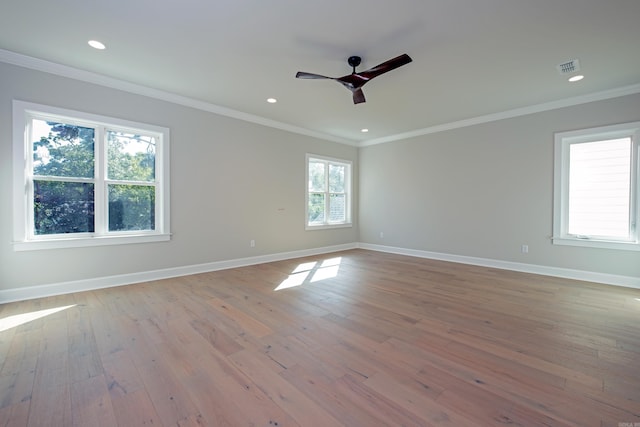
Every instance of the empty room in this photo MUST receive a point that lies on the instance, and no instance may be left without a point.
(356, 213)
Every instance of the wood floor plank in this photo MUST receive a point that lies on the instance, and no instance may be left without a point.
(300, 406)
(248, 323)
(16, 380)
(314, 383)
(121, 374)
(541, 396)
(427, 409)
(168, 394)
(386, 410)
(16, 414)
(84, 357)
(236, 388)
(135, 409)
(91, 404)
(50, 405)
(51, 399)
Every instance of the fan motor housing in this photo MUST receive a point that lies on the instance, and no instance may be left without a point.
(354, 61)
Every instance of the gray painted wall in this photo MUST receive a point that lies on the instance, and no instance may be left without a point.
(480, 191)
(231, 181)
(484, 190)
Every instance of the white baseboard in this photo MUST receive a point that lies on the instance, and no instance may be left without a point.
(31, 292)
(567, 273)
(39, 291)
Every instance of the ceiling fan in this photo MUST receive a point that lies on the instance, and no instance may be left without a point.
(355, 81)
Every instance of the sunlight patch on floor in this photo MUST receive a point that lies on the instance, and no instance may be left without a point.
(20, 319)
(325, 273)
(310, 272)
(292, 281)
(307, 266)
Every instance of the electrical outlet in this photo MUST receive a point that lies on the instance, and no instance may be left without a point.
(381, 235)
(252, 243)
(524, 249)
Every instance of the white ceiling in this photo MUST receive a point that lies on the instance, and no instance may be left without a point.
(471, 58)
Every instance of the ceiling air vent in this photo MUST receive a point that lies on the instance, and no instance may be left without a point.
(569, 67)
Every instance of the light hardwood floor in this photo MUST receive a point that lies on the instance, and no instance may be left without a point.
(366, 339)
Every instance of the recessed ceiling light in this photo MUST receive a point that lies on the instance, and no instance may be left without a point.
(576, 78)
(96, 44)
(272, 100)
(364, 130)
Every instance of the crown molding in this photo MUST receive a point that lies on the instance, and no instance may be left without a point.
(113, 83)
(517, 112)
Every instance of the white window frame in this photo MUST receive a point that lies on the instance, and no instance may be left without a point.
(23, 224)
(348, 193)
(563, 141)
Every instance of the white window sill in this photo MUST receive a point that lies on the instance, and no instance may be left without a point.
(593, 243)
(80, 242)
(327, 226)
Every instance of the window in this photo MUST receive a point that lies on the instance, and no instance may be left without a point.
(84, 180)
(328, 192)
(596, 187)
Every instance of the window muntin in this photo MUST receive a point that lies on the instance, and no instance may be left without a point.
(84, 180)
(328, 192)
(596, 187)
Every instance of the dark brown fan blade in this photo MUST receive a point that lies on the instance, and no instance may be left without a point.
(355, 81)
(389, 65)
(358, 96)
(303, 75)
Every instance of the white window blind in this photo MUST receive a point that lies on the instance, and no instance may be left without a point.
(596, 189)
(600, 188)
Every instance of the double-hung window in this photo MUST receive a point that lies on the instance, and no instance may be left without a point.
(328, 192)
(596, 187)
(86, 180)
